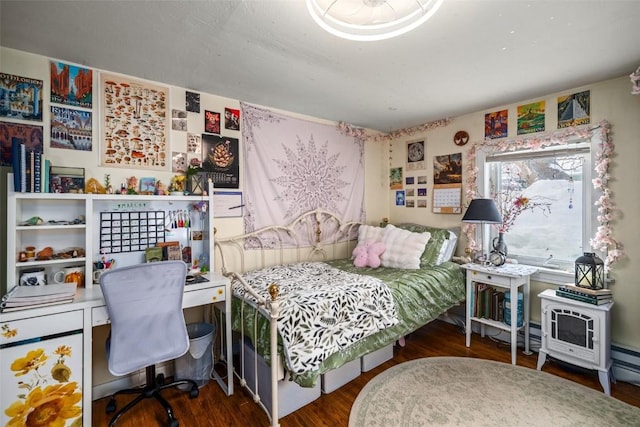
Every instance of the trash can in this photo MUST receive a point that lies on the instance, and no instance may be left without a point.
(196, 364)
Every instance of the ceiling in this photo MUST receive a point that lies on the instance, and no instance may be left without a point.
(472, 55)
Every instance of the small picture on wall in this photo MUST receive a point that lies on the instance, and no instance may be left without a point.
(400, 198)
(574, 110)
(178, 162)
(25, 95)
(496, 124)
(179, 120)
(422, 203)
(192, 102)
(194, 143)
(395, 178)
(415, 155)
(410, 180)
(211, 122)
(71, 85)
(422, 179)
(411, 203)
(531, 118)
(447, 169)
(71, 129)
(231, 119)
(410, 192)
(422, 192)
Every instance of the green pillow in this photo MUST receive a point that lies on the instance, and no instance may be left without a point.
(439, 237)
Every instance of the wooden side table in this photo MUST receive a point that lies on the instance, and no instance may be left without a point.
(509, 276)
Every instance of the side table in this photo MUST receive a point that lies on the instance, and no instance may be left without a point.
(509, 276)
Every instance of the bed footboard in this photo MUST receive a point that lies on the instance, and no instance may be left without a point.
(314, 236)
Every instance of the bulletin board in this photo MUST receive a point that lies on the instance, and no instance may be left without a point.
(130, 231)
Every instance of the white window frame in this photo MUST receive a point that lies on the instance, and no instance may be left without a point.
(559, 274)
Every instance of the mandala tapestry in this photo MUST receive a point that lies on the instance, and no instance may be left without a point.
(294, 165)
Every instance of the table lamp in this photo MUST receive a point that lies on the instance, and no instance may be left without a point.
(482, 211)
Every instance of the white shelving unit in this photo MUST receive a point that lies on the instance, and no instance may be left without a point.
(511, 277)
(54, 209)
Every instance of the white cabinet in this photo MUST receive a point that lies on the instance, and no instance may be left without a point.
(512, 277)
(576, 333)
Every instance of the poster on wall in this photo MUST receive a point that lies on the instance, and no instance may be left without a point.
(395, 179)
(220, 159)
(496, 124)
(20, 97)
(574, 110)
(415, 155)
(531, 118)
(71, 85)
(135, 124)
(29, 135)
(71, 129)
(231, 119)
(211, 122)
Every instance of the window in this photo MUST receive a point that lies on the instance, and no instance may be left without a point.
(586, 153)
(554, 223)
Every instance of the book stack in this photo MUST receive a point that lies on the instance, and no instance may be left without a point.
(24, 297)
(30, 170)
(588, 295)
(487, 302)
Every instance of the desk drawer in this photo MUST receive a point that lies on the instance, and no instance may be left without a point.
(40, 326)
(490, 278)
(204, 296)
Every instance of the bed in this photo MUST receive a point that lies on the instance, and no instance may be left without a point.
(415, 285)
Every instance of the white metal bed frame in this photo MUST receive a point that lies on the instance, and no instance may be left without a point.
(317, 234)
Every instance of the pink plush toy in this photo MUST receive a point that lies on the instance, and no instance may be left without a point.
(368, 255)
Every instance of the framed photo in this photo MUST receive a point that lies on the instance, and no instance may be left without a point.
(66, 180)
(147, 185)
(135, 124)
(496, 124)
(574, 110)
(29, 135)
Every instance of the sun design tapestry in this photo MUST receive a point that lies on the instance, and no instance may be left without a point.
(295, 165)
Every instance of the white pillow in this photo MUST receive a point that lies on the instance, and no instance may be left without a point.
(369, 232)
(448, 248)
(403, 248)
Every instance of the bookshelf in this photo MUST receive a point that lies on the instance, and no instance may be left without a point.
(509, 277)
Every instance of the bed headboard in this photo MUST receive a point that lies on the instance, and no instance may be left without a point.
(314, 235)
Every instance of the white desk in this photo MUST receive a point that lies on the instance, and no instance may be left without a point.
(20, 331)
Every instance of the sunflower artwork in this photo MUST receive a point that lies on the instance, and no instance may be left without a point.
(46, 392)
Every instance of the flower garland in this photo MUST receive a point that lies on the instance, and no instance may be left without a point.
(635, 82)
(603, 240)
(361, 133)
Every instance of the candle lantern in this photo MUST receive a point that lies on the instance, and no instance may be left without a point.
(589, 271)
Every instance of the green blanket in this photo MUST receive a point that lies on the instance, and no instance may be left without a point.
(420, 297)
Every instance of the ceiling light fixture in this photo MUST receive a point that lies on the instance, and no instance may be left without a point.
(370, 20)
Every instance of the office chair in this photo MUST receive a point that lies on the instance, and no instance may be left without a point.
(147, 327)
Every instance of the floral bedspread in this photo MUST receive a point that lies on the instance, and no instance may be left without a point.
(322, 309)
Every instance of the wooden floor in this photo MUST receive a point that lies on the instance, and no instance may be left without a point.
(213, 408)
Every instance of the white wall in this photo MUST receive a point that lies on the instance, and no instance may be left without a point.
(611, 100)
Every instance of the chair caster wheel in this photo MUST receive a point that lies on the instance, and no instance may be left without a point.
(111, 406)
(173, 422)
(194, 392)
